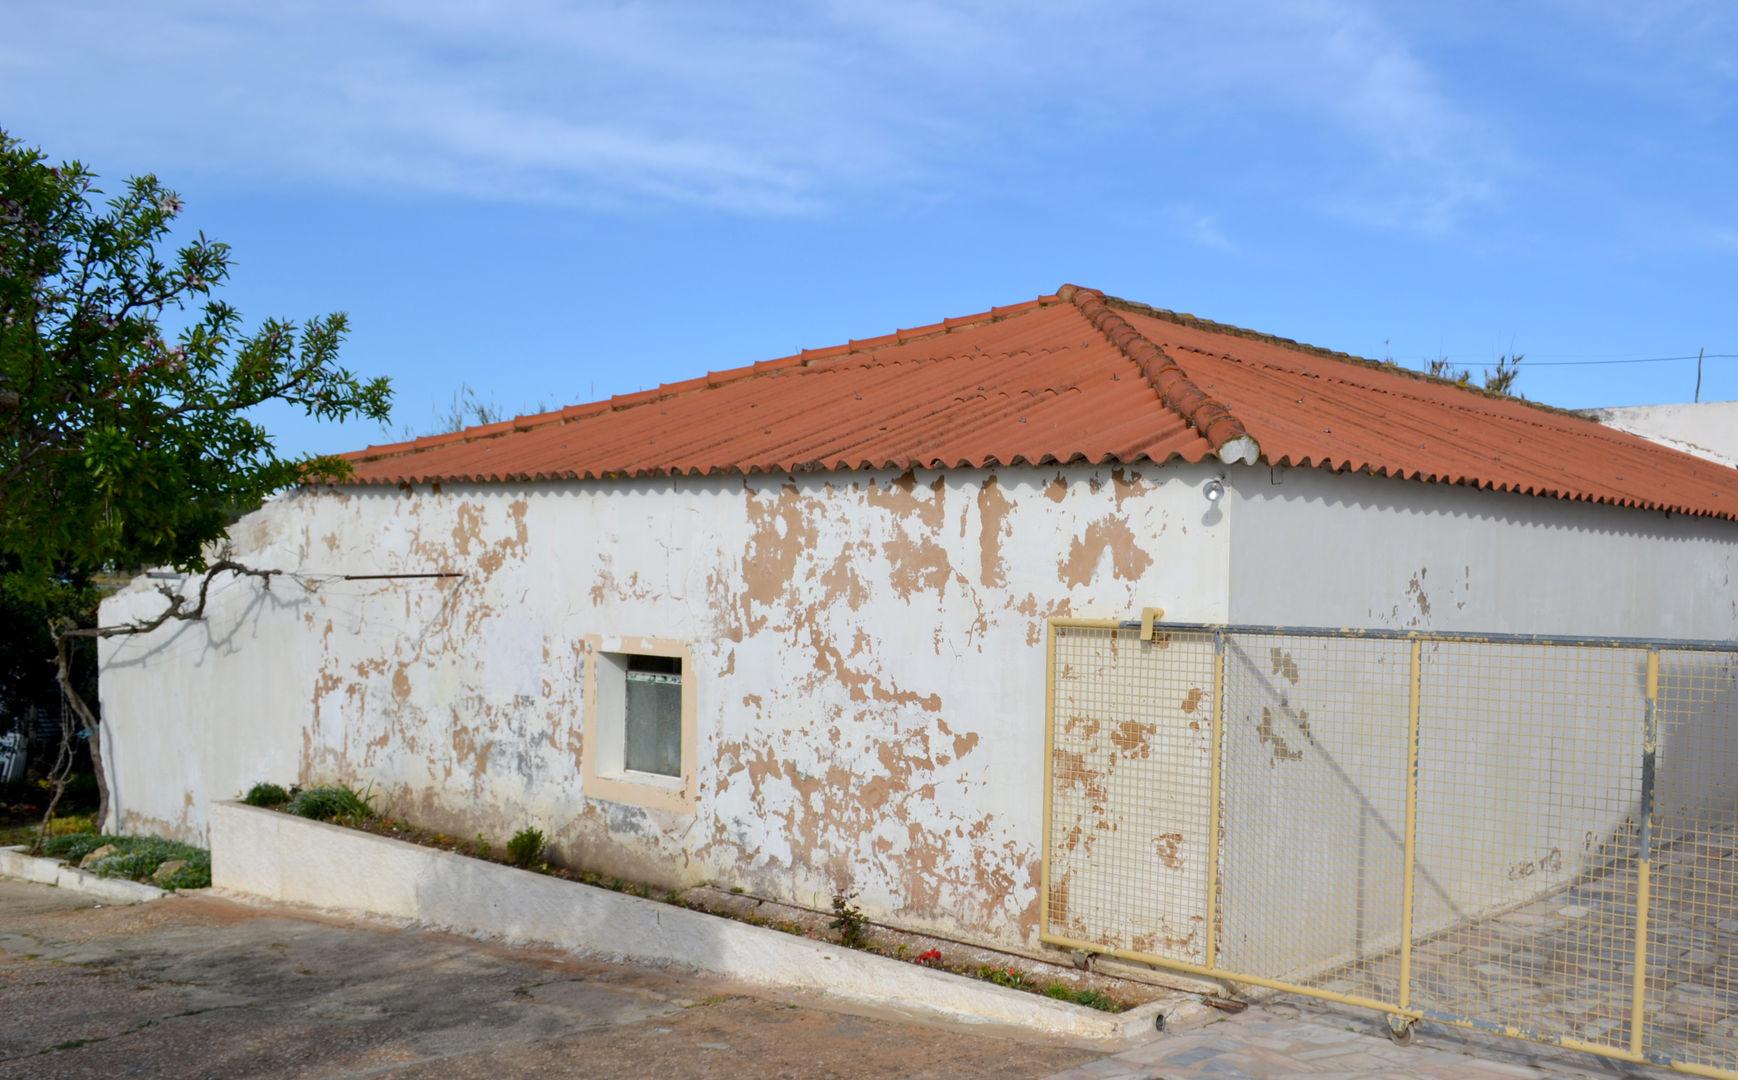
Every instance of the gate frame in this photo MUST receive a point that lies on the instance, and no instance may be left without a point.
(1401, 1014)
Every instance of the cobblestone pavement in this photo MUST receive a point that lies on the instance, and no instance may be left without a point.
(1291, 1040)
(1563, 965)
(196, 986)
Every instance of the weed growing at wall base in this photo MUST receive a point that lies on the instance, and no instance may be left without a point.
(332, 802)
(849, 921)
(526, 848)
(264, 794)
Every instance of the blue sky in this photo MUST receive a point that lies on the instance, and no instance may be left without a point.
(555, 202)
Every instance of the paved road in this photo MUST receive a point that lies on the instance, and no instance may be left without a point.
(197, 986)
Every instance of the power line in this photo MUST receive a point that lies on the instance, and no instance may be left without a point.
(1639, 360)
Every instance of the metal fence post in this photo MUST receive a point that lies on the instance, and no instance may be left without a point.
(1049, 772)
(1410, 855)
(1644, 868)
(1214, 771)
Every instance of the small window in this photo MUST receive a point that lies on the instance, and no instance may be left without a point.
(639, 722)
(652, 715)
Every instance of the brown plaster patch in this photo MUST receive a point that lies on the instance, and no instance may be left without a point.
(1415, 589)
(898, 496)
(1270, 735)
(1126, 485)
(993, 508)
(842, 581)
(468, 529)
(1108, 534)
(1133, 738)
(781, 533)
(919, 567)
(1284, 665)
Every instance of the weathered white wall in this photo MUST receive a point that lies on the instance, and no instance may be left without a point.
(869, 649)
(1707, 429)
(1322, 549)
(1529, 758)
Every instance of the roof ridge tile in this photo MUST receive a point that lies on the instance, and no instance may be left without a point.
(1208, 326)
(1223, 431)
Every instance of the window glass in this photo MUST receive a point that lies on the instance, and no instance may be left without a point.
(652, 724)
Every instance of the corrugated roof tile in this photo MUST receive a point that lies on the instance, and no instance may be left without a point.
(1075, 376)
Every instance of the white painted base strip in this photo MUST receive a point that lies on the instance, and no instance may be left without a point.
(15, 863)
(274, 856)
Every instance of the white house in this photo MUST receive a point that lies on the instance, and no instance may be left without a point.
(784, 627)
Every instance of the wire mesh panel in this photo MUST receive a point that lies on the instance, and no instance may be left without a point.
(1314, 809)
(1537, 836)
(1691, 1003)
(1129, 790)
(1529, 794)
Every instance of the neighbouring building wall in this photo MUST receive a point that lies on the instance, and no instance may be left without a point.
(1529, 756)
(868, 660)
(1707, 429)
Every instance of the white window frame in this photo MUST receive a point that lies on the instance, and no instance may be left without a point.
(605, 735)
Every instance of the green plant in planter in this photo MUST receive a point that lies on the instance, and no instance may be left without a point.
(526, 848)
(331, 802)
(849, 921)
(265, 794)
(136, 858)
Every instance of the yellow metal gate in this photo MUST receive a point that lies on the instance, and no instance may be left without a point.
(1531, 835)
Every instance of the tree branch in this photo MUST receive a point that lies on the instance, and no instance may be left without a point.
(63, 631)
(177, 609)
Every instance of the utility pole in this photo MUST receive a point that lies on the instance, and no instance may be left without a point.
(1699, 353)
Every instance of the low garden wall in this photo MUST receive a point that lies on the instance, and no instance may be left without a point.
(275, 856)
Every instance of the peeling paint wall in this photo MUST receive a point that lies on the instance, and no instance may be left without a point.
(869, 652)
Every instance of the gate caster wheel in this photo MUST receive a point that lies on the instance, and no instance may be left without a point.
(1402, 1029)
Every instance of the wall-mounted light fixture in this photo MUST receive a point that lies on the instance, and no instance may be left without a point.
(1214, 490)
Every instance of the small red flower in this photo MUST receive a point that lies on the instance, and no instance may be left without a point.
(933, 956)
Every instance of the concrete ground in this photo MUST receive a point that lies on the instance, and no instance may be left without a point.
(1283, 1041)
(197, 986)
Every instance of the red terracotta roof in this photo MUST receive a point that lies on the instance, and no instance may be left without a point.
(1077, 376)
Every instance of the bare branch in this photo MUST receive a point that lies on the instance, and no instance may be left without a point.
(177, 609)
(63, 631)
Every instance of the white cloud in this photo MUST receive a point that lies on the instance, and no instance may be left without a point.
(752, 109)
(1198, 226)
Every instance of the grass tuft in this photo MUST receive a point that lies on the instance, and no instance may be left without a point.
(331, 802)
(264, 794)
(526, 848)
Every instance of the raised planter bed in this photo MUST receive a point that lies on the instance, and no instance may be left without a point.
(17, 862)
(275, 856)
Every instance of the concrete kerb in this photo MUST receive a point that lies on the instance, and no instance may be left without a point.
(15, 862)
(274, 856)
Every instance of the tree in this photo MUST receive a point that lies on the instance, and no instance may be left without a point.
(125, 390)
